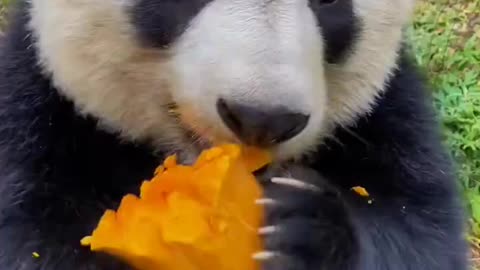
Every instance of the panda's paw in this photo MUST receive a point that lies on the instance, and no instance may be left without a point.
(305, 221)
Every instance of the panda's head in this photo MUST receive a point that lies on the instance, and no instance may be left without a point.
(186, 73)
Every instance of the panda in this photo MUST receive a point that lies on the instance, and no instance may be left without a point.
(95, 94)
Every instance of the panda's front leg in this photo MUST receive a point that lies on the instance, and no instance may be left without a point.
(307, 225)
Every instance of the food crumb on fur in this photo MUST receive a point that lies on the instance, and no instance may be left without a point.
(361, 191)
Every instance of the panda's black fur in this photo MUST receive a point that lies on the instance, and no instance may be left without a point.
(59, 172)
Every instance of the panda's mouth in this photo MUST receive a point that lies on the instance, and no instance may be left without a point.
(199, 134)
(196, 133)
(198, 141)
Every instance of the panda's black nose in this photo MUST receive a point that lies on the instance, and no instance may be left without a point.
(261, 127)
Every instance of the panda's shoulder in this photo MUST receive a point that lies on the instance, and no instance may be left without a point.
(401, 131)
(407, 102)
(403, 112)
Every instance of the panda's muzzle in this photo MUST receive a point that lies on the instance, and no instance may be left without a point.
(261, 127)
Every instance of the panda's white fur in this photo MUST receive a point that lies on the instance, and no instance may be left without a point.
(262, 52)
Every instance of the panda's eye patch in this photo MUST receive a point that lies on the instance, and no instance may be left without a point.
(339, 26)
(159, 23)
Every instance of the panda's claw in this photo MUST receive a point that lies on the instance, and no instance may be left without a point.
(264, 255)
(295, 183)
(267, 230)
(266, 201)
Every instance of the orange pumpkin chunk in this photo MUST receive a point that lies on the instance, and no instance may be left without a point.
(197, 217)
(361, 191)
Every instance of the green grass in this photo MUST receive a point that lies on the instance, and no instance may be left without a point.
(446, 40)
(3, 9)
